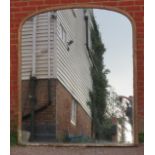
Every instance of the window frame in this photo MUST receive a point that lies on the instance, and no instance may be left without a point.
(73, 118)
(63, 34)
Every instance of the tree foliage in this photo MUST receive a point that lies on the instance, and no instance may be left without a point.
(98, 95)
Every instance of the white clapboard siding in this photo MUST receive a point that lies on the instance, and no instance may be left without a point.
(26, 48)
(73, 67)
(42, 46)
(42, 33)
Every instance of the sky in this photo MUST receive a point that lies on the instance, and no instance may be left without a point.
(116, 33)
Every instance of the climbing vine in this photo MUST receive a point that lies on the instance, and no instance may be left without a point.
(98, 95)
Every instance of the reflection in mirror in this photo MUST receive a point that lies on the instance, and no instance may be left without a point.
(76, 74)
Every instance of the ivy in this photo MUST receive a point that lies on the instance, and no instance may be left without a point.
(98, 95)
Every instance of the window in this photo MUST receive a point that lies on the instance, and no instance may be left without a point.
(63, 34)
(73, 112)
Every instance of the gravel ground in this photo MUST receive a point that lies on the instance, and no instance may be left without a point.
(48, 150)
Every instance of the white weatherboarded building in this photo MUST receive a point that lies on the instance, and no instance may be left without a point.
(45, 36)
(54, 47)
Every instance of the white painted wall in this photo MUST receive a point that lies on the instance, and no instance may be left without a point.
(41, 46)
(26, 49)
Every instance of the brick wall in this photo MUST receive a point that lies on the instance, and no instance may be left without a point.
(58, 114)
(46, 116)
(63, 115)
(22, 9)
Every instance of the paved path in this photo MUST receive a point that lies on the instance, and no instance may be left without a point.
(48, 150)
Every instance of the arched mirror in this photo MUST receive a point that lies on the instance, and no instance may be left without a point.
(77, 77)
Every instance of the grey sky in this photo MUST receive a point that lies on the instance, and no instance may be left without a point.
(116, 32)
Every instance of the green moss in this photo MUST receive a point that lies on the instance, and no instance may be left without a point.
(141, 137)
(13, 138)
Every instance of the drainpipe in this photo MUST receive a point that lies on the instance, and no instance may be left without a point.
(86, 21)
(33, 82)
(87, 46)
(49, 58)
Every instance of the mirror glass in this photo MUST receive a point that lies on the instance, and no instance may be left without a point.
(77, 77)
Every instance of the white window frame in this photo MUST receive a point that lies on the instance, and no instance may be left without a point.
(74, 112)
(63, 34)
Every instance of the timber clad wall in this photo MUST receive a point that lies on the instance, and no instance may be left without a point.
(41, 44)
(20, 10)
(73, 65)
(27, 38)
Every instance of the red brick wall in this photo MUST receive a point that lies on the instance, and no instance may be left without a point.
(41, 94)
(22, 9)
(46, 116)
(63, 115)
(58, 113)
